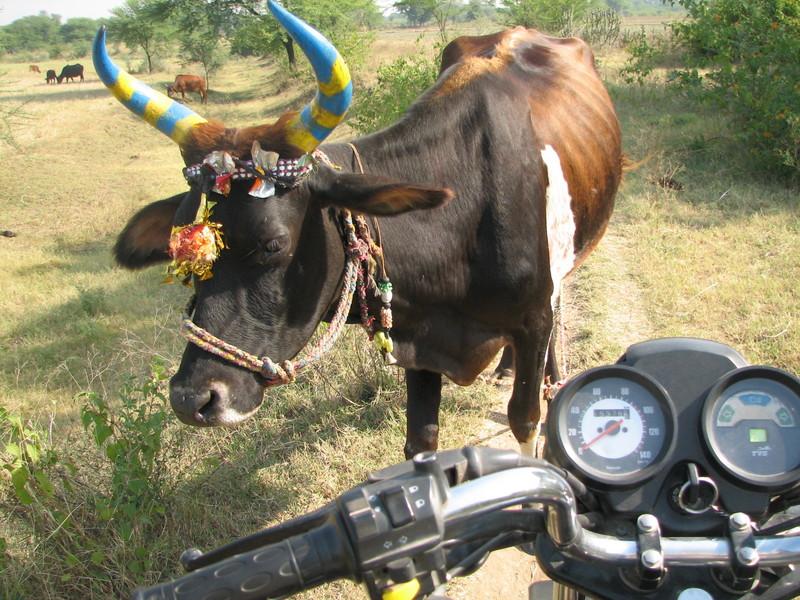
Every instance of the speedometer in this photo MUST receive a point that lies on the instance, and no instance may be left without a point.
(751, 422)
(614, 425)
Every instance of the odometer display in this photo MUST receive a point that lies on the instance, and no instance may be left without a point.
(615, 424)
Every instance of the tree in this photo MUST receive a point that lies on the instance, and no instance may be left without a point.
(79, 29)
(418, 12)
(135, 24)
(203, 48)
(559, 17)
(479, 9)
(32, 33)
(346, 23)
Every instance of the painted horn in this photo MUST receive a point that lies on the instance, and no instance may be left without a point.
(165, 114)
(334, 88)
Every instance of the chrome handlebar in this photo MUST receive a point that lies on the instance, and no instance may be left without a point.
(532, 485)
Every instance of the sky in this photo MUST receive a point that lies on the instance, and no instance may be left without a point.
(11, 10)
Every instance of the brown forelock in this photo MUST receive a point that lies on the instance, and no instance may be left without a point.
(213, 135)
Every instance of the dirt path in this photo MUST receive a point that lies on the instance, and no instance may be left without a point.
(508, 573)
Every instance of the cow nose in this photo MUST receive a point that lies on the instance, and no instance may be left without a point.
(206, 406)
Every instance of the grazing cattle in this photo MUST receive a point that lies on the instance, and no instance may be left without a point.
(34, 69)
(188, 83)
(494, 185)
(70, 72)
(51, 76)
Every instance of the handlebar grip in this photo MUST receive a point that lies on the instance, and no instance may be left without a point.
(293, 565)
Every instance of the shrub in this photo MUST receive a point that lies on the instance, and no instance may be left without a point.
(399, 84)
(645, 52)
(745, 59)
(90, 531)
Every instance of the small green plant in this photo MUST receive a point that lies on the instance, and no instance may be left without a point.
(27, 458)
(130, 437)
(644, 54)
(94, 526)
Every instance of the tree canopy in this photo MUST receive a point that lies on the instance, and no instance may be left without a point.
(46, 33)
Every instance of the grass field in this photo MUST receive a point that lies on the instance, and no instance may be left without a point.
(702, 246)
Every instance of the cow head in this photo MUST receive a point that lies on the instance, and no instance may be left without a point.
(278, 269)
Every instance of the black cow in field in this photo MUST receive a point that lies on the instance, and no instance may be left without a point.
(492, 188)
(70, 72)
(51, 76)
(188, 83)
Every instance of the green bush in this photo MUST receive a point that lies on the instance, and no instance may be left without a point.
(90, 531)
(399, 84)
(645, 53)
(744, 57)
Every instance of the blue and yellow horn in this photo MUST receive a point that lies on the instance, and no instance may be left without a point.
(334, 88)
(165, 114)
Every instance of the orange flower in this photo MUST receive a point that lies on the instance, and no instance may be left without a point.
(193, 249)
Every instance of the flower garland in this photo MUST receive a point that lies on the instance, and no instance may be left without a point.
(193, 248)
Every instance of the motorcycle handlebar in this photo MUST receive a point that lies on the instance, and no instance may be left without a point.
(273, 571)
(500, 490)
(398, 521)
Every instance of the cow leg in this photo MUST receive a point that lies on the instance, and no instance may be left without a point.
(551, 367)
(424, 390)
(524, 408)
(504, 372)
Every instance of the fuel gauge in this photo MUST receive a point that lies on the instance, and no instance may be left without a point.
(751, 422)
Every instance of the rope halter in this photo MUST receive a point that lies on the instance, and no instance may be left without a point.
(359, 251)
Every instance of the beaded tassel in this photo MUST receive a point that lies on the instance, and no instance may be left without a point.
(386, 345)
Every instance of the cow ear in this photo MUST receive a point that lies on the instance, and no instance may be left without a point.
(372, 195)
(145, 239)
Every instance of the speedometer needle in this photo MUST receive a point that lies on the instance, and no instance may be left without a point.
(607, 430)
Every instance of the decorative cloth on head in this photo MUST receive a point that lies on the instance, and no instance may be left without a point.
(220, 169)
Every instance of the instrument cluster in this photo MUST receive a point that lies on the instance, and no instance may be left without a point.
(675, 402)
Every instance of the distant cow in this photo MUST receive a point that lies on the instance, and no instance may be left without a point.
(70, 72)
(51, 76)
(34, 69)
(188, 83)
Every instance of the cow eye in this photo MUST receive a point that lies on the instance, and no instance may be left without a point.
(275, 245)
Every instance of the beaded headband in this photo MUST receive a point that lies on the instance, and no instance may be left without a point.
(219, 169)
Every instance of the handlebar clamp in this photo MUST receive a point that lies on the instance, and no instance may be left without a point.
(649, 571)
(742, 575)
